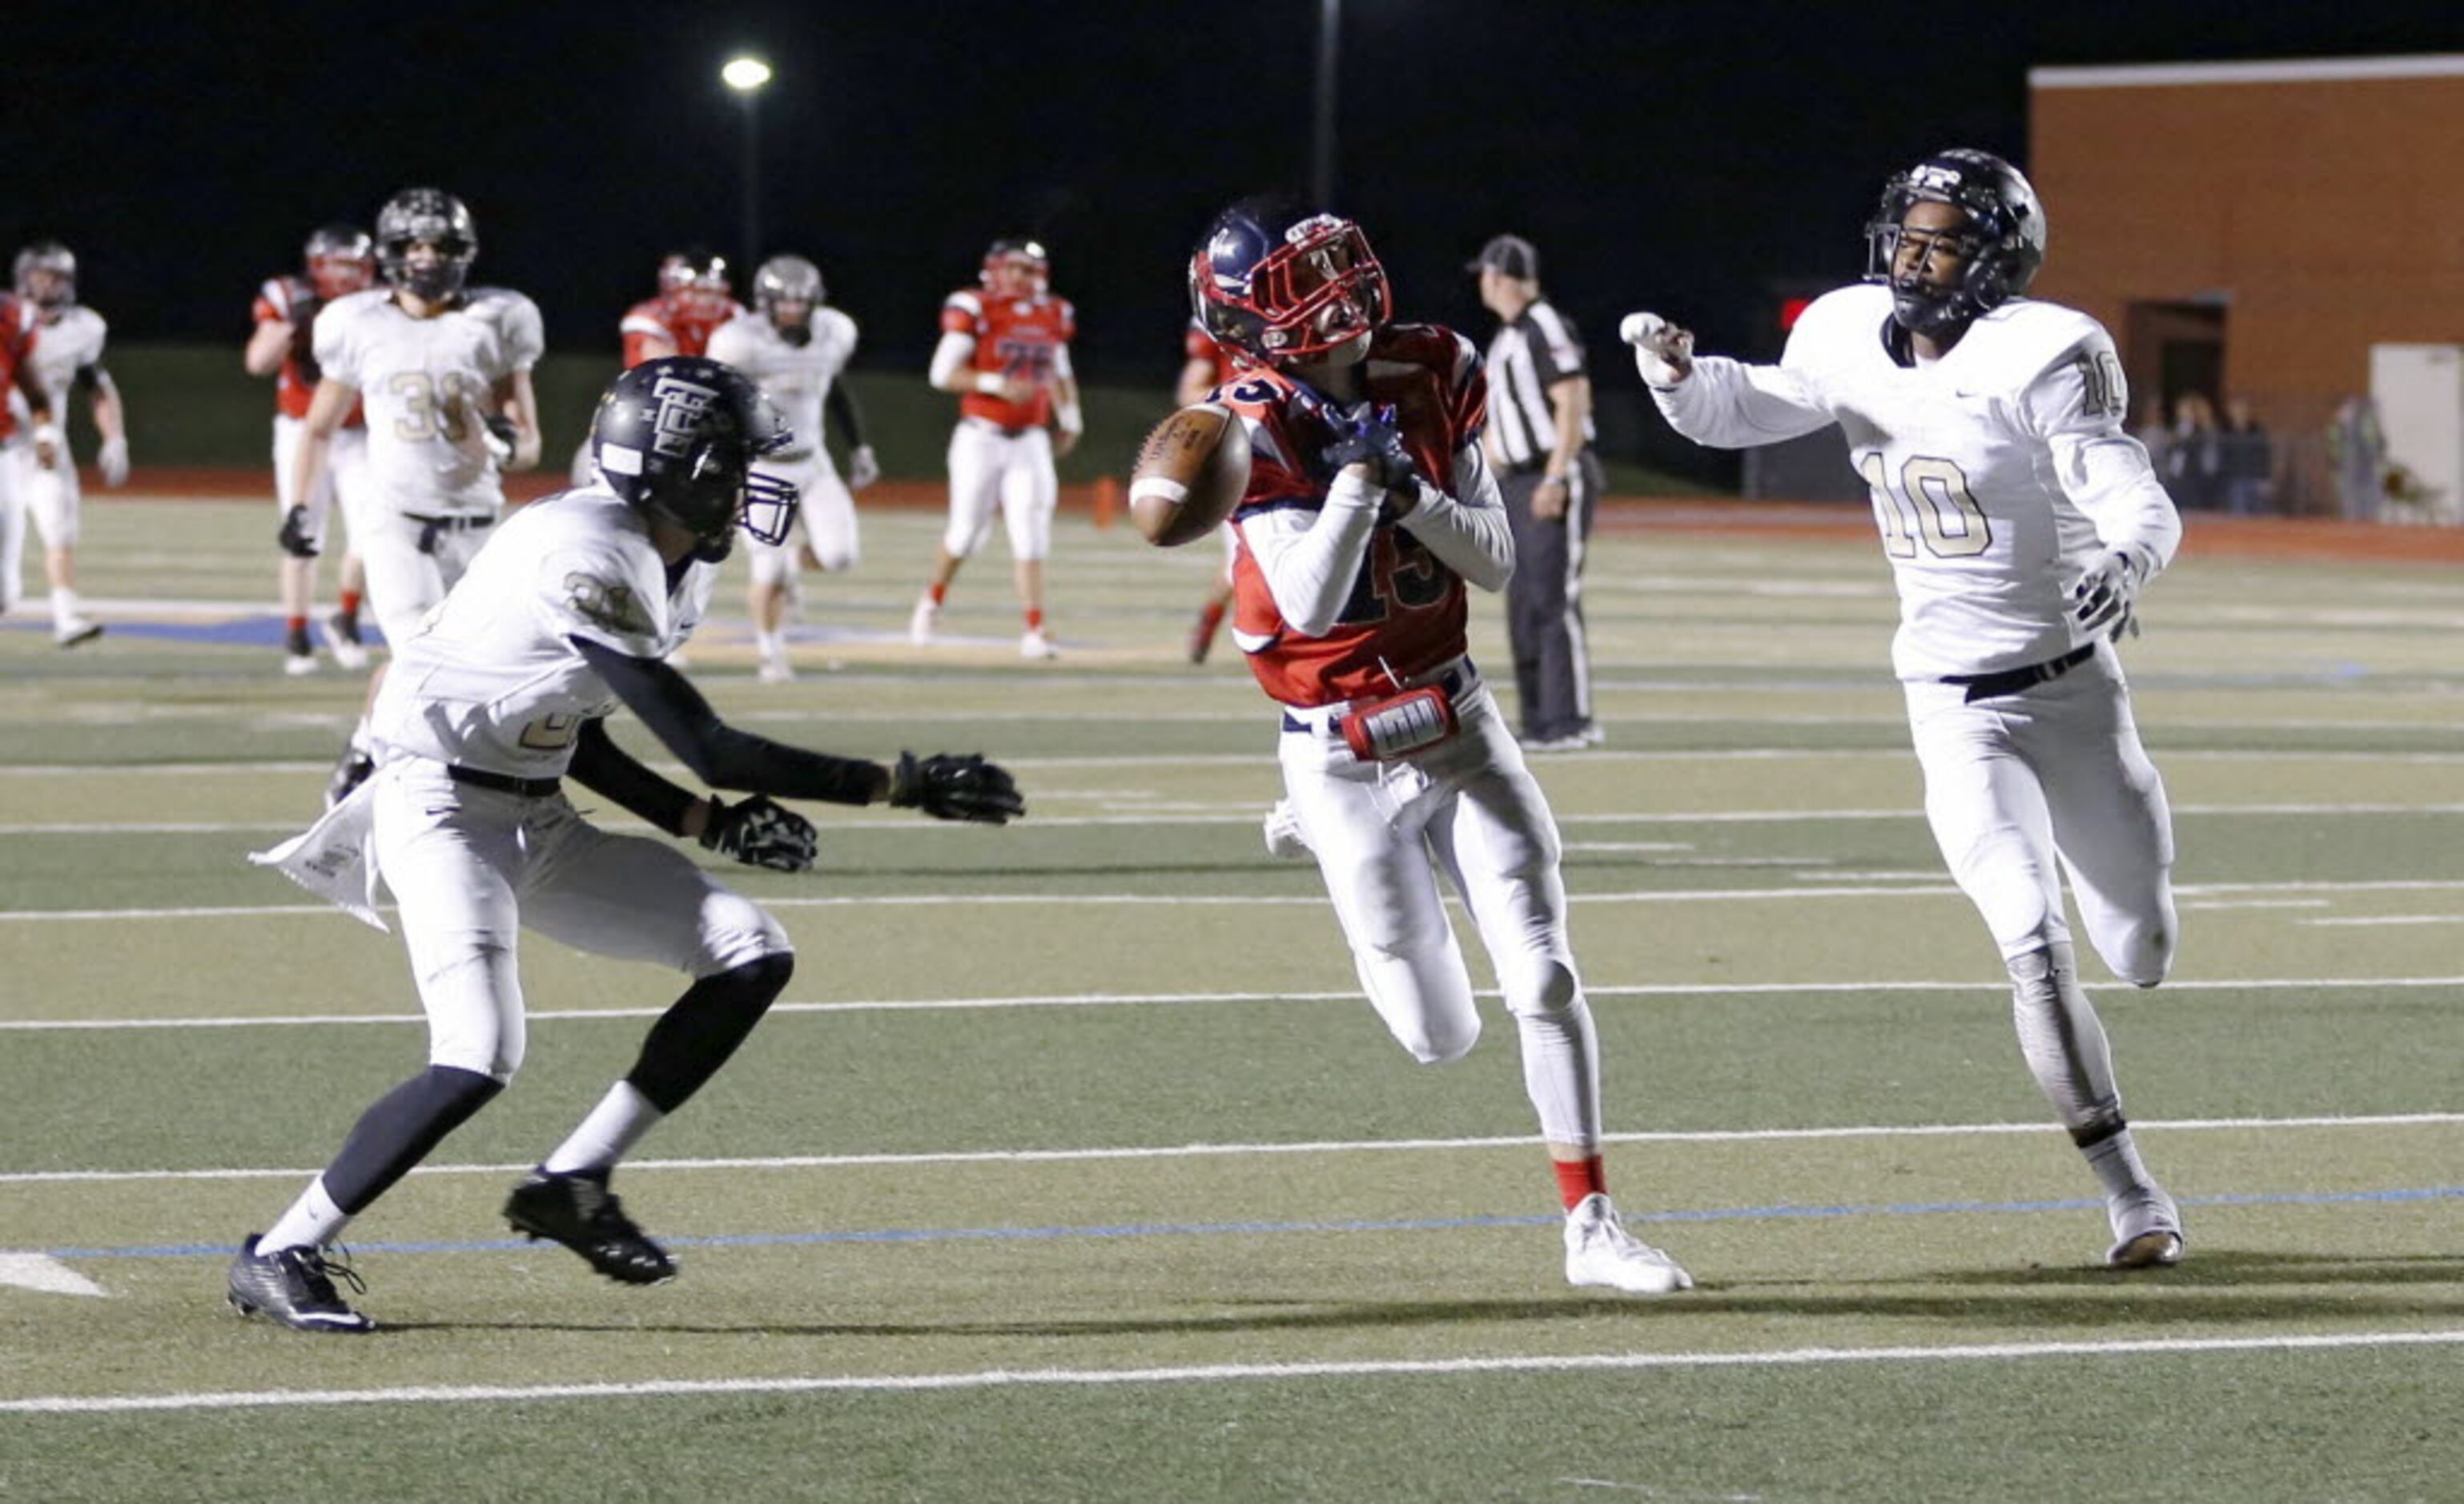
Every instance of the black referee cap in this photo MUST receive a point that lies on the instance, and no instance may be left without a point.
(1512, 254)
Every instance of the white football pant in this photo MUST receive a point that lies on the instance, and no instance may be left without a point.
(470, 867)
(405, 582)
(346, 482)
(1010, 472)
(2020, 787)
(1382, 832)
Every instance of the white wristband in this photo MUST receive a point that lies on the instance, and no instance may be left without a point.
(992, 383)
(1067, 416)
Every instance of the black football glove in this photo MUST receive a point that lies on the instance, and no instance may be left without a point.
(1369, 436)
(760, 833)
(294, 533)
(950, 787)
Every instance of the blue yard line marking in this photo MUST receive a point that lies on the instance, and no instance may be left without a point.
(1166, 1229)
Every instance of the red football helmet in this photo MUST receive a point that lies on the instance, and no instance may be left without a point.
(1277, 284)
(341, 259)
(694, 281)
(1022, 254)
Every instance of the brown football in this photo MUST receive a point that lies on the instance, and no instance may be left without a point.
(1190, 474)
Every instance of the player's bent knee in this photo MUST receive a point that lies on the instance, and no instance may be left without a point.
(1543, 990)
(1435, 1041)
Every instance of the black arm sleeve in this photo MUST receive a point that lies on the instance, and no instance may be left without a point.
(601, 766)
(718, 754)
(841, 409)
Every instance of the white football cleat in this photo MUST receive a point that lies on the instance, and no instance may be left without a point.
(1036, 645)
(2146, 1230)
(1284, 837)
(1599, 1251)
(775, 670)
(76, 629)
(298, 665)
(925, 623)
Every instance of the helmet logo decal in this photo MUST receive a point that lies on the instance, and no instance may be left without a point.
(681, 406)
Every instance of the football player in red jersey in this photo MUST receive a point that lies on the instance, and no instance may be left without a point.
(1006, 352)
(1205, 366)
(1368, 512)
(20, 332)
(695, 298)
(338, 262)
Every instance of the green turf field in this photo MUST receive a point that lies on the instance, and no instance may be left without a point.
(1071, 1167)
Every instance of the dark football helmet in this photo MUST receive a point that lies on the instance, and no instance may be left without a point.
(1017, 250)
(2003, 246)
(676, 438)
(432, 215)
(1277, 282)
(341, 259)
(788, 279)
(55, 290)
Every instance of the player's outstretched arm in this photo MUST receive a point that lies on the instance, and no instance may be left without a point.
(719, 755)
(755, 831)
(1716, 402)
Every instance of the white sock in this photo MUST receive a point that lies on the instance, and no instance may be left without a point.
(313, 1221)
(64, 607)
(612, 1129)
(2115, 1162)
(770, 644)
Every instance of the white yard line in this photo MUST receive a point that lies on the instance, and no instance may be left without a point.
(1199, 1151)
(1032, 1000)
(1224, 1373)
(1901, 889)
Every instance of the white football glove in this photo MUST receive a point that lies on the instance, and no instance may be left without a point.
(1663, 352)
(863, 468)
(2107, 595)
(113, 461)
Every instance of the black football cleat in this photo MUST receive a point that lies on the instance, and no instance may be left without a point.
(581, 1212)
(295, 1287)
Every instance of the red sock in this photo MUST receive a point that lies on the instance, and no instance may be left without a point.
(349, 601)
(296, 624)
(1580, 1178)
(1034, 620)
(935, 592)
(1210, 618)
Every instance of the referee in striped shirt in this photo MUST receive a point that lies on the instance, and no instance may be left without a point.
(1539, 442)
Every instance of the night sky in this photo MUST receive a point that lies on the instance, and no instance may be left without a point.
(1689, 157)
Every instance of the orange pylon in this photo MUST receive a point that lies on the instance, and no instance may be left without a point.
(1108, 501)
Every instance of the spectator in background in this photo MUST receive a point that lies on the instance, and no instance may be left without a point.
(2248, 461)
(2357, 454)
(2192, 459)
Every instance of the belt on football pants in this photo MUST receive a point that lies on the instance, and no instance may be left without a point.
(2011, 681)
(431, 525)
(502, 783)
(1318, 717)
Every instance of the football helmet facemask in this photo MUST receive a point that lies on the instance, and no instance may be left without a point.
(426, 215)
(341, 259)
(2003, 246)
(676, 438)
(788, 279)
(55, 290)
(1278, 283)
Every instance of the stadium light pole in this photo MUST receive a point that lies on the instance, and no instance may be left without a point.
(1330, 23)
(747, 75)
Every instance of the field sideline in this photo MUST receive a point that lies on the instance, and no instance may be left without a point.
(1072, 1167)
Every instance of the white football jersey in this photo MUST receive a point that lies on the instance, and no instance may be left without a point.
(426, 384)
(796, 378)
(1998, 472)
(61, 350)
(491, 679)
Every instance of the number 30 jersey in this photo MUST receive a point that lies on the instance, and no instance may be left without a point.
(1405, 610)
(492, 679)
(1998, 472)
(426, 385)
